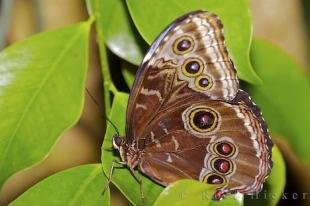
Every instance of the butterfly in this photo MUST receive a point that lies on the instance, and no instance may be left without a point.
(188, 119)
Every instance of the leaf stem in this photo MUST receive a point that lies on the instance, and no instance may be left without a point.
(106, 76)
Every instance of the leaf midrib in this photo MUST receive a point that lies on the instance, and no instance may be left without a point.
(82, 188)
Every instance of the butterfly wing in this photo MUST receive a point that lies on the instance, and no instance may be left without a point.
(189, 118)
(188, 57)
(214, 141)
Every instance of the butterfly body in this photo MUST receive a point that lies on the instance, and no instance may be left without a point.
(187, 117)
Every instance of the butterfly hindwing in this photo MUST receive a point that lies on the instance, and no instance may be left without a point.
(222, 143)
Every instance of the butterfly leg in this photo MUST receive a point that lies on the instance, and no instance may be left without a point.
(138, 177)
(113, 166)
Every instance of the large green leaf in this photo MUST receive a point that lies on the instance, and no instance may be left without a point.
(122, 177)
(115, 26)
(41, 94)
(82, 185)
(151, 17)
(284, 97)
(191, 192)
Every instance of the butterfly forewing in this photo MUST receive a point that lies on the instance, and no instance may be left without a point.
(170, 72)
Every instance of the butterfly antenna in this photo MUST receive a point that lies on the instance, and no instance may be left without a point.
(93, 98)
(104, 117)
(113, 125)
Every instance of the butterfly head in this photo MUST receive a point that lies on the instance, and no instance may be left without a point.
(117, 141)
(128, 152)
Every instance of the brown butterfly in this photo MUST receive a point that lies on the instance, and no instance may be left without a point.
(187, 117)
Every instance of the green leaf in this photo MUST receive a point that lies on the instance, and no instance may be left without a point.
(41, 94)
(231, 200)
(186, 192)
(128, 76)
(151, 17)
(284, 97)
(191, 192)
(82, 185)
(275, 184)
(128, 72)
(122, 177)
(277, 179)
(114, 25)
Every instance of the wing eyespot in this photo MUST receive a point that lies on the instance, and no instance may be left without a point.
(215, 179)
(224, 149)
(183, 45)
(222, 166)
(203, 119)
(192, 67)
(203, 82)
